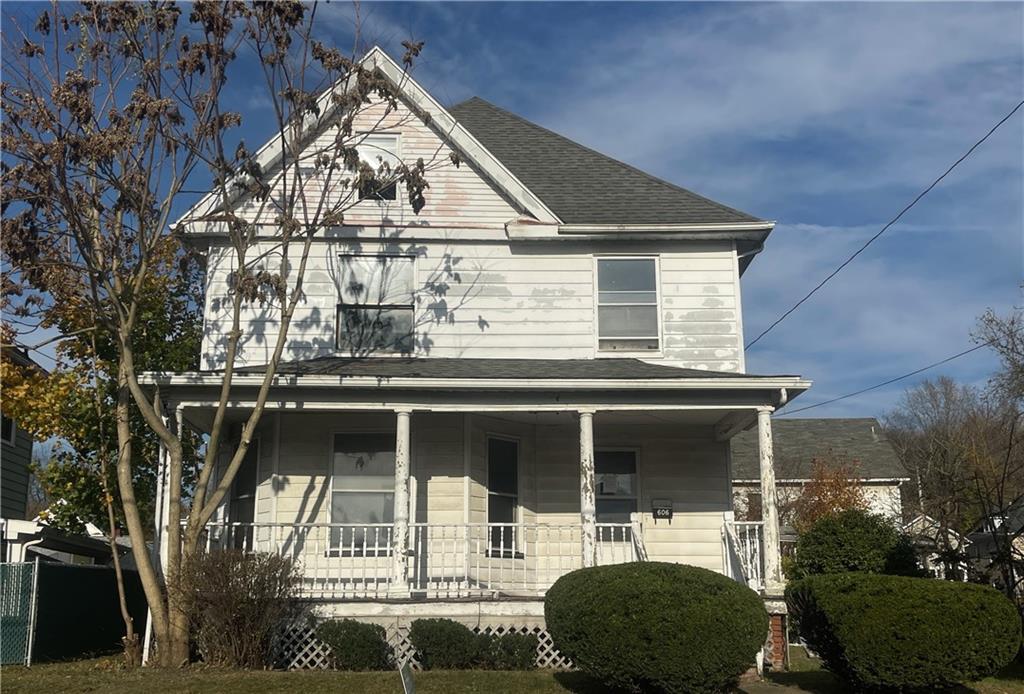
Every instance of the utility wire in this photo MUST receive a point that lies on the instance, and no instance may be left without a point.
(886, 227)
(890, 381)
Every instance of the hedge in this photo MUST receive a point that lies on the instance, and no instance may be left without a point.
(897, 632)
(854, 541)
(448, 645)
(652, 626)
(357, 645)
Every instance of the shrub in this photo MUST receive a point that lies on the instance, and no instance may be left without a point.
(511, 651)
(357, 645)
(897, 632)
(854, 541)
(237, 601)
(651, 626)
(445, 644)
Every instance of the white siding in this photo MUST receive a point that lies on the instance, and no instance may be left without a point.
(480, 295)
(479, 299)
(673, 464)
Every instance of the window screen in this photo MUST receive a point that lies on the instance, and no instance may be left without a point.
(380, 153)
(363, 491)
(627, 304)
(376, 308)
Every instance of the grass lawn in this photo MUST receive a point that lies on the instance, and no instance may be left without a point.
(105, 675)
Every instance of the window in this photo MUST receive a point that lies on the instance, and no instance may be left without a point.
(377, 305)
(502, 494)
(363, 492)
(9, 430)
(243, 498)
(379, 152)
(616, 493)
(627, 304)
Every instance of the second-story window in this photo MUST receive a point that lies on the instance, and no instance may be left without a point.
(375, 313)
(627, 304)
(379, 151)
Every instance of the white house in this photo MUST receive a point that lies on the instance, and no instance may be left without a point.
(552, 376)
(798, 443)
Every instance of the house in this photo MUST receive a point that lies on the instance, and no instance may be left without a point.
(942, 552)
(540, 371)
(15, 452)
(798, 443)
(999, 533)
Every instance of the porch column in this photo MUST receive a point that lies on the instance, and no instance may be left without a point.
(769, 511)
(588, 504)
(400, 532)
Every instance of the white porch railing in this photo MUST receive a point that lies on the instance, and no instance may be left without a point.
(744, 544)
(353, 562)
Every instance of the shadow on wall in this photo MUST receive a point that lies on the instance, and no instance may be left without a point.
(436, 299)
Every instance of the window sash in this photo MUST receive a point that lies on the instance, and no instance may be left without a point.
(628, 315)
(373, 150)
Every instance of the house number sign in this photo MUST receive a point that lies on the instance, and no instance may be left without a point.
(661, 509)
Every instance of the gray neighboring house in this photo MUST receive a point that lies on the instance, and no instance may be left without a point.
(15, 454)
(798, 442)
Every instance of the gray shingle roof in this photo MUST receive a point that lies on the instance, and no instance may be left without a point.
(580, 185)
(799, 441)
(393, 367)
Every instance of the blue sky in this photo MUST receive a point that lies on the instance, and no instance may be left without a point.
(826, 117)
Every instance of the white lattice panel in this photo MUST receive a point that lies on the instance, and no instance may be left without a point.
(298, 648)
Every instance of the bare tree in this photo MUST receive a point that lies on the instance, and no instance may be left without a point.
(110, 110)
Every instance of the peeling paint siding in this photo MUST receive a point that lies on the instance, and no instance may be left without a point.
(494, 301)
(457, 196)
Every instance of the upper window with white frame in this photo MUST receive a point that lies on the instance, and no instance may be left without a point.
(380, 153)
(627, 304)
(377, 304)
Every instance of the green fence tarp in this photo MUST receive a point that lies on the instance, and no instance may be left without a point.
(16, 601)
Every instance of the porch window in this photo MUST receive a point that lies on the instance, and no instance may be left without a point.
(377, 150)
(363, 493)
(502, 495)
(377, 304)
(627, 304)
(616, 492)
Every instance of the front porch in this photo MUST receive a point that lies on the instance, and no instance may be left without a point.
(403, 489)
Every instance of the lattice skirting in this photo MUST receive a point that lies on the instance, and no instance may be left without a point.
(298, 648)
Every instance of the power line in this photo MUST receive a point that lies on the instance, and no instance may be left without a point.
(890, 381)
(886, 227)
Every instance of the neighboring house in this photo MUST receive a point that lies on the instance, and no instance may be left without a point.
(990, 537)
(798, 443)
(539, 372)
(935, 551)
(15, 454)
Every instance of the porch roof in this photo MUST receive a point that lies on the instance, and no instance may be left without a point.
(393, 367)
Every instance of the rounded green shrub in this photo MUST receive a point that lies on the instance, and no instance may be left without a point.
(854, 541)
(357, 645)
(446, 645)
(656, 627)
(898, 632)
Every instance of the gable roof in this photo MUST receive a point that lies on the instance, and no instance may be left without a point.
(269, 156)
(583, 186)
(796, 442)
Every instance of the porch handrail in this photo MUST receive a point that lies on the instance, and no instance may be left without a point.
(355, 561)
(747, 541)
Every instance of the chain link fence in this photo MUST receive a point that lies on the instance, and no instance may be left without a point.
(17, 612)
